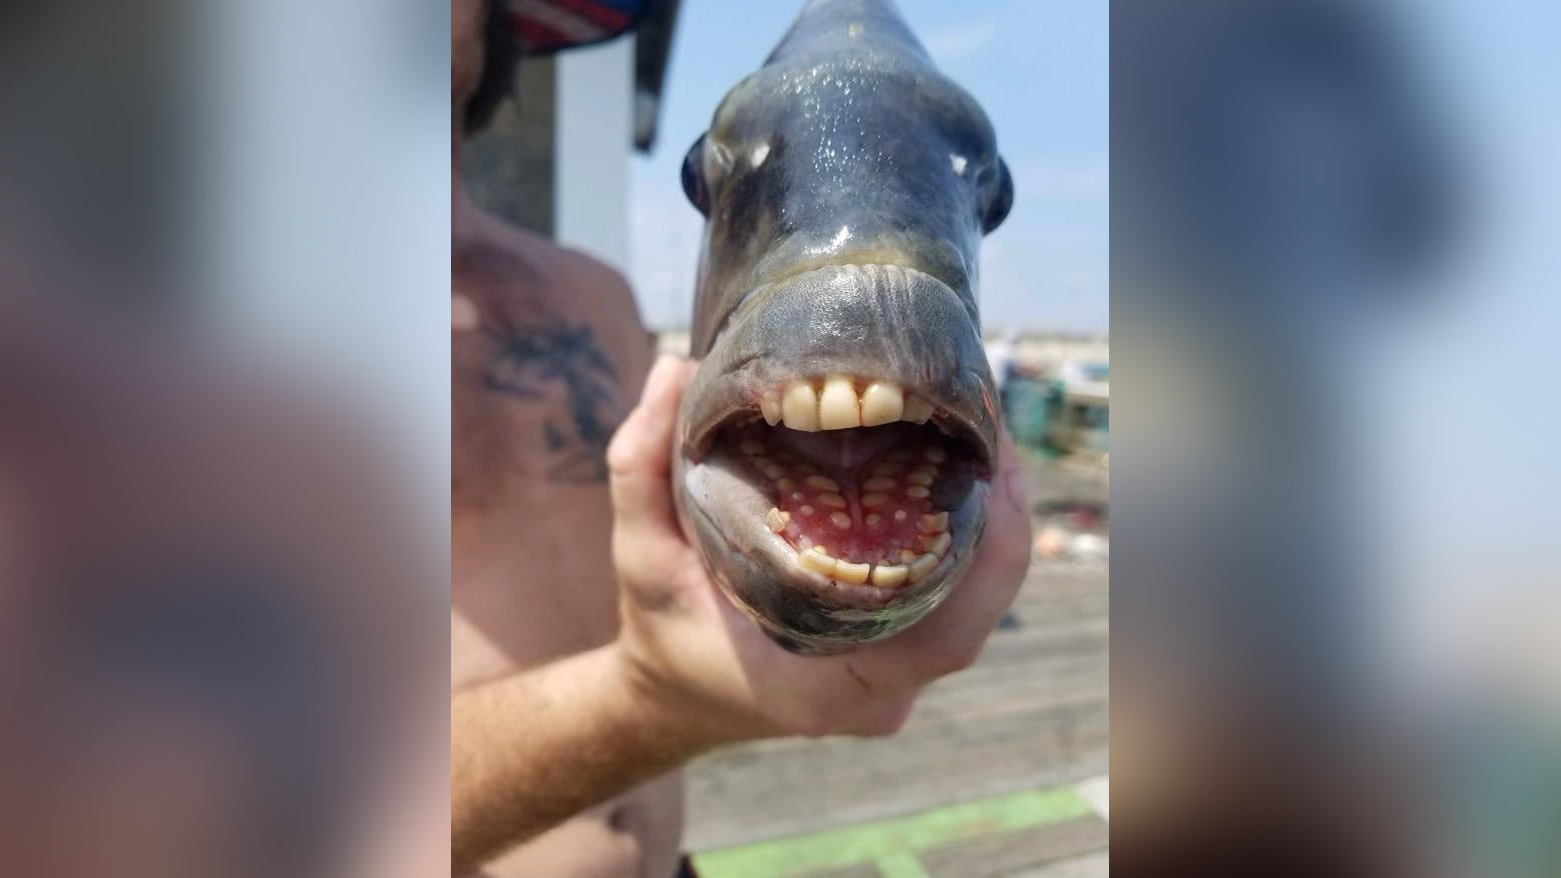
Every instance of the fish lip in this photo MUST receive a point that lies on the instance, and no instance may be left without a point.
(948, 366)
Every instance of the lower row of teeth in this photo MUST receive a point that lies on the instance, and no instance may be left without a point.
(912, 566)
(903, 479)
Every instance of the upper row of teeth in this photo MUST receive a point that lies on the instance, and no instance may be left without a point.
(836, 405)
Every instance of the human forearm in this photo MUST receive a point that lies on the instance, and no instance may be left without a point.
(529, 751)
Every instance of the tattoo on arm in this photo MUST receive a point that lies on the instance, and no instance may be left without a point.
(529, 359)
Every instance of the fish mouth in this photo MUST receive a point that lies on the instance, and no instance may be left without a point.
(839, 496)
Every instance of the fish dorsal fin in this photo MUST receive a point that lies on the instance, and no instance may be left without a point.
(829, 26)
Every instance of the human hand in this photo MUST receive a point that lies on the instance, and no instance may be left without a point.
(694, 656)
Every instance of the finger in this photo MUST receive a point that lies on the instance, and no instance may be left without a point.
(952, 635)
(639, 460)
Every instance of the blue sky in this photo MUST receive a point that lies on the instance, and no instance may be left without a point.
(1039, 67)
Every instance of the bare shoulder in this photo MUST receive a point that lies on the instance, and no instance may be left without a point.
(538, 279)
(617, 312)
(557, 362)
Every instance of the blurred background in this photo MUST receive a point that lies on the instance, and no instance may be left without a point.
(1336, 600)
(224, 397)
(1002, 769)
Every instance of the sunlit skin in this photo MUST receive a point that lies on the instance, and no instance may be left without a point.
(548, 357)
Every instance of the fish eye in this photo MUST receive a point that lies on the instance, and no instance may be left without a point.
(694, 177)
(1001, 197)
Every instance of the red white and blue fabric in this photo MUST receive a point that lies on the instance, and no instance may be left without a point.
(550, 25)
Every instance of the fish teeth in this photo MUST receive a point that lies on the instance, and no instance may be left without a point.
(818, 561)
(834, 404)
(856, 574)
(777, 519)
(882, 403)
(923, 565)
(890, 575)
(799, 407)
(934, 523)
(917, 410)
(940, 544)
(838, 408)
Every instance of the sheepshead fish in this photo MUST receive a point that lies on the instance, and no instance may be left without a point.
(836, 446)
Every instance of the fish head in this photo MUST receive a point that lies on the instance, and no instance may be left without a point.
(837, 442)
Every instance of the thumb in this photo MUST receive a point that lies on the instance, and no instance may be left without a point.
(639, 460)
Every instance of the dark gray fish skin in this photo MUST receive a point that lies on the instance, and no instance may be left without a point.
(847, 184)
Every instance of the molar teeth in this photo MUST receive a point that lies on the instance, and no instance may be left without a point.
(923, 565)
(818, 561)
(890, 576)
(799, 407)
(777, 519)
(940, 544)
(837, 406)
(907, 556)
(933, 524)
(882, 403)
(856, 574)
(770, 407)
(917, 410)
